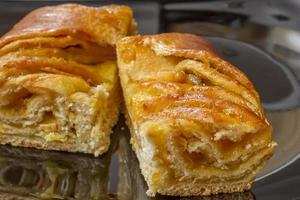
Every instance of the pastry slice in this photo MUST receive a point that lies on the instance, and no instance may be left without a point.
(197, 124)
(59, 88)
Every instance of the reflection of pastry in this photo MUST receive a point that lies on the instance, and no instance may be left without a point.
(196, 121)
(37, 174)
(58, 78)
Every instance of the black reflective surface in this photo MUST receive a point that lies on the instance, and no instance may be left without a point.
(37, 174)
(284, 184)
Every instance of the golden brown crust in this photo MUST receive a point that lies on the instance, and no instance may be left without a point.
(193, 56)
(189, 46)
(194, 115)
(103, 25)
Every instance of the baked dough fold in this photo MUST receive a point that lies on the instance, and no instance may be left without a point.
(197, 124)
(59, 87)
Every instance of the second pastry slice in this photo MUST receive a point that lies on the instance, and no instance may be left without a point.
(197, 125)
(59, 88)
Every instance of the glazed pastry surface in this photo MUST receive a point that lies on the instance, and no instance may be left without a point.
(197, 124)
(59, 88)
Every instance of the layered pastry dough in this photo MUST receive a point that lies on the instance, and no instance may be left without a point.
(58, 78)
(197, 125)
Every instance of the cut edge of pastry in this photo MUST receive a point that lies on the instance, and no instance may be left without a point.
(97, 143)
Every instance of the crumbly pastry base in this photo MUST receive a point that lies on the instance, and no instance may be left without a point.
(39, 143)
(204, 189)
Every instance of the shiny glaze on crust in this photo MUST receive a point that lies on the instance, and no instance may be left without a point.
(113, 22)
(49, 40)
